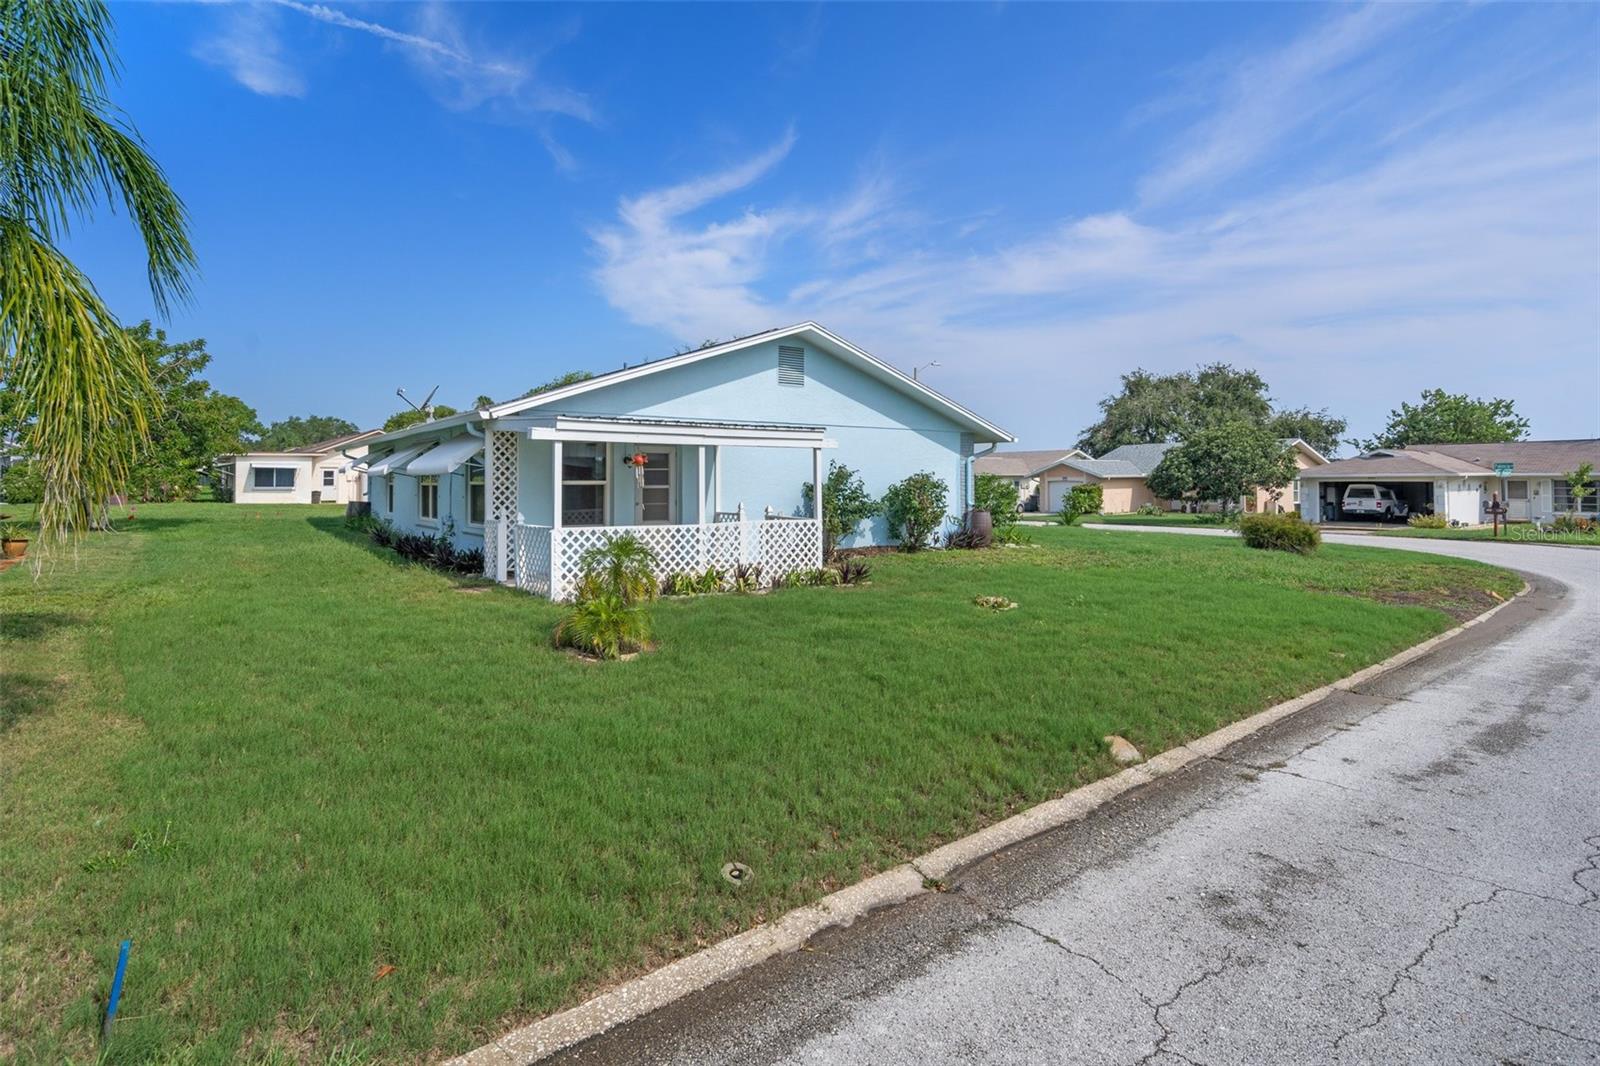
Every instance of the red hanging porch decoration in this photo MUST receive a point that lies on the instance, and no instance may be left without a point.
(636, 459)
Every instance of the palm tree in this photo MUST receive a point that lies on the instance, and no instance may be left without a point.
(64, 151)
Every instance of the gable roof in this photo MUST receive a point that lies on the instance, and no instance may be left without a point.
(825, 340)
(1104, 467)
(1023, 463)
(1143, 457)
(337, 442)
(1547, 458)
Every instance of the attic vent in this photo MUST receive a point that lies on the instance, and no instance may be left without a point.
(791, 366)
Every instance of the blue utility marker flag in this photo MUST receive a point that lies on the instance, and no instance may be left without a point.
(116, 990)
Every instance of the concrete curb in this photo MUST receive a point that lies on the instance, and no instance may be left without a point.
(790, 932)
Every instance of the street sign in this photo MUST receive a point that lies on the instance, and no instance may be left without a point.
(1503, 469)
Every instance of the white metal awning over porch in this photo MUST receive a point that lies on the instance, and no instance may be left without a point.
(393, 463)
(642, 430)
(446, 457)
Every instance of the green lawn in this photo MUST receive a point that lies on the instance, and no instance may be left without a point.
(279, 761)
(1514, 534)
(1166, 518)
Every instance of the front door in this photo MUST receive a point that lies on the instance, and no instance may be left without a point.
(1517, 501)
(653, 504)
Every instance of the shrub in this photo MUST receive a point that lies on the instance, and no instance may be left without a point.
(679, 584)
(362, 523)
(998, 496)
(1011, 535)
(845, 505)
(1574, 523)
(605, 625)
(23, 483)
(623, 567)
(964, 537)
(915, 509)
(16, 531)
(1148, 509)
(713, 579)
(1085, 499)
(1427, 521)
(746, 577)
(853, 572)
(1280, 532)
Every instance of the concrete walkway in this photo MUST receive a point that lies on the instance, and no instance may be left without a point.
(1405, 873)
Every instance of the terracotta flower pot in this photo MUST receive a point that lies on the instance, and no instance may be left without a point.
(14, 549)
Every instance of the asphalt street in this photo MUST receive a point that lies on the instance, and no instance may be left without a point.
(1408, 872)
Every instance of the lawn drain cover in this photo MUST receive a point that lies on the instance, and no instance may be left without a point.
(737, 873)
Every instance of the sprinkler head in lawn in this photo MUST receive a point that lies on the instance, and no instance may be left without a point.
(737, 873)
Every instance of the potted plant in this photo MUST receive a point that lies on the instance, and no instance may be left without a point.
(14, 539)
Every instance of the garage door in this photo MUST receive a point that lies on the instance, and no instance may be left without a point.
(1056, 491)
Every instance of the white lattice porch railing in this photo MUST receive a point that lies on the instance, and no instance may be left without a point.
(545, 561)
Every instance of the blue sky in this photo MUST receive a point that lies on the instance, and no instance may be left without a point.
(1359, 202)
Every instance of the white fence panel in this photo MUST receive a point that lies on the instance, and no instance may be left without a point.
(778, 545)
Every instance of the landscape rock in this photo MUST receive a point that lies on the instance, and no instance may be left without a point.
(1122, 751)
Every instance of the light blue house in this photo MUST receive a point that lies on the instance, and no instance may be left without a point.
(706, 456)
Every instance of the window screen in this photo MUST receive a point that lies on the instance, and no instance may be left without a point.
(273, 477)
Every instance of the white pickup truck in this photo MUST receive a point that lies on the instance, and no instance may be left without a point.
(1373, 501)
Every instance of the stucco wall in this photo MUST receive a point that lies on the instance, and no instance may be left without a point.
(882, 434)
(244, 490)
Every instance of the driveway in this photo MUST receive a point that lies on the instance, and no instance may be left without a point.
(1404, 873)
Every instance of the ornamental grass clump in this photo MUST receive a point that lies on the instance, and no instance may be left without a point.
(1279, 532)
(609, 619)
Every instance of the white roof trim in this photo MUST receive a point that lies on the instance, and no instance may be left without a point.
(834, 343)
(666, 431)
(446, 457)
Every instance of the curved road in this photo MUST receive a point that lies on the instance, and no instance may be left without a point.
(1408, 872)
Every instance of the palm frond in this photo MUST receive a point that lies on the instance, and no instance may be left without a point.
(64, 151)
(85, 382)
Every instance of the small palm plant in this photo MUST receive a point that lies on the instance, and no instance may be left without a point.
(624, 567)
(605, 626)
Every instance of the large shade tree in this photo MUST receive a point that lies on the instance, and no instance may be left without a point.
(1441, 417)
(1223, 464)
(296, 432)
(65, 151)
(1165, 408)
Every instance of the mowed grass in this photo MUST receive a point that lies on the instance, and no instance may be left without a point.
(1519, 533)
(283, 763)
(1165, 519)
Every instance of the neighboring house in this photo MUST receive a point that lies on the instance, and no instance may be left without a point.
(1286, 498)
(1021, 469)
(1459, 481)
(705, 456)
(1123, 473)
(324, 472)
(1120, 473)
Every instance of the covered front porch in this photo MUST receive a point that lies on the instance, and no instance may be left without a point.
(558, 486)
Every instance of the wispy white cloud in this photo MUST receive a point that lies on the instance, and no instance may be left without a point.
(463, 75)
(1268, 97)
(248, 47)
(1464, 253)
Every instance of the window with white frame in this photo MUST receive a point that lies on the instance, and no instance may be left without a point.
(388, 493)
(272, 477)
(583, 484)
(1564, 502)
(476, 500)
(428, 497)
(327, 479)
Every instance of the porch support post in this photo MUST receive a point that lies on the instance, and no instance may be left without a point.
(700, 485)
(555, 518)
(716, 480)
(816, 497)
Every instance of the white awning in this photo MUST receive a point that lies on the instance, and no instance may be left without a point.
(446, 457)
(391, 464)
